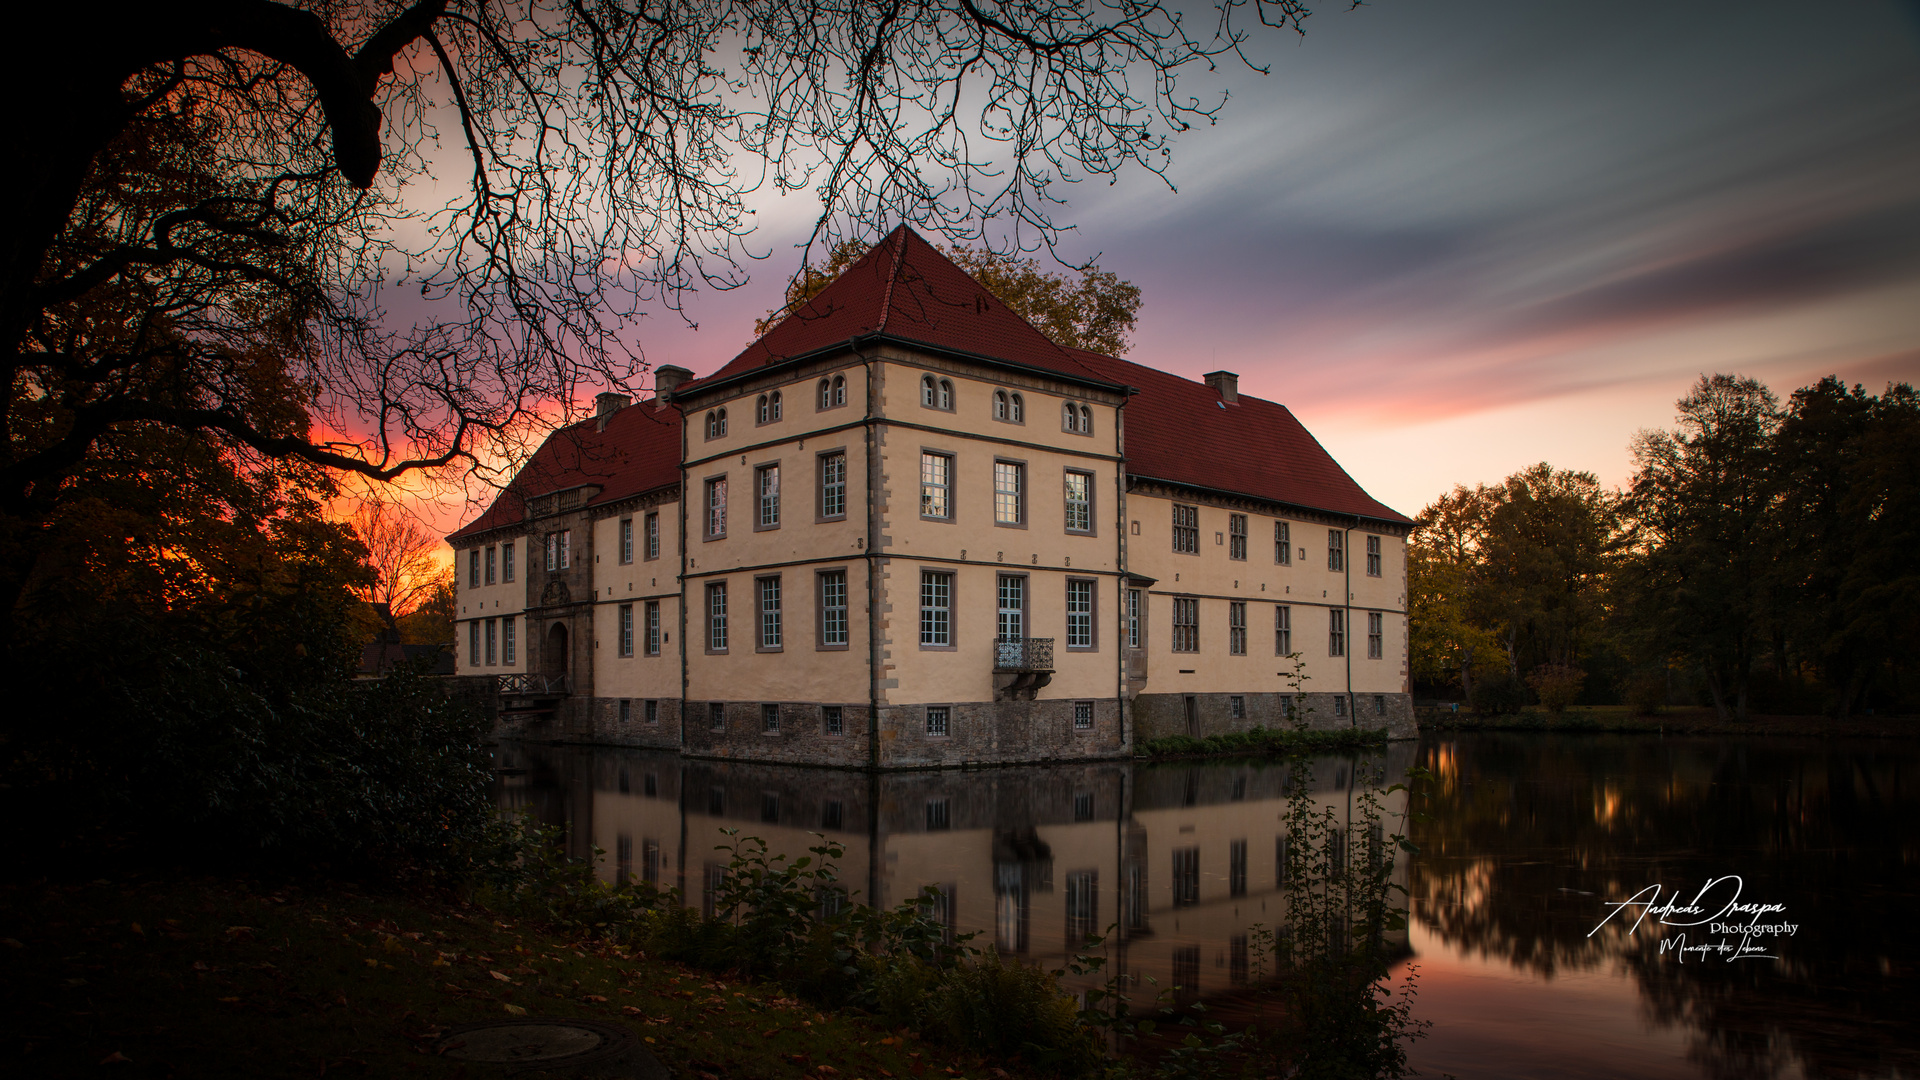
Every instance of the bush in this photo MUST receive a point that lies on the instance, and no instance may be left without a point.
(1498, 694)
(1557, 685)
(1009, 1008)
(1646, 692)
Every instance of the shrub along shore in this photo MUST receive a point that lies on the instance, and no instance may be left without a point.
(1672, 721)
(1265, 742)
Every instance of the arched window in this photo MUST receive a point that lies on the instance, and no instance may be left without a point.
(762, 416)
(1017, 410)
(999, 404)
(716, 423)
(928, 391)
(826, 394)
(1086, 420)
(1068, 421)
(839, 389)
(946, 395)
(773, 405)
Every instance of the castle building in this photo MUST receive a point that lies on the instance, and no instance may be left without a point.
(906, 529)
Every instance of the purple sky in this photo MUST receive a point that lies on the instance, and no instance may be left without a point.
(1458, 238)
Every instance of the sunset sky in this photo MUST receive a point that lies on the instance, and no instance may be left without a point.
(1457, 238)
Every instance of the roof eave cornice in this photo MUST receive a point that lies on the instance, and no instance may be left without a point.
(872, 338)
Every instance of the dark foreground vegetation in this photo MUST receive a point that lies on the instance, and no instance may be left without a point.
(1266, 742)
(1758, 562)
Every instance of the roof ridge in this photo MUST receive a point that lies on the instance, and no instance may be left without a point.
(893, 275)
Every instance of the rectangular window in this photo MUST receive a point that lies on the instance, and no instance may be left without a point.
(1186, 530)
(1186, 624)
(1340, 706)
(936, 608)
(1373, 556)
(493, 633)
(1009, 493)
(716, 716)
(1079, 614)
(833, 485)
(1237, 868)
(769, 589)
(1083, 905)
(1237, 708)
(653, 715)
(1336, 633)
(653, 628)
(939, 814)
(1282, 630)
(1083, 806)
(1376, 635)
(508, 651)
(1237, 537)
(626, 540)
(936, 486)
(717, 617)
(1010, 622)
(653, 536)
(566, 548)
(766, 482)
(716, 504)
(1282, 544)
(553, 552)
(1079, 502)
(626, 714)
(490, 565)
(833, 608)
(939, 719)
(1237, 628)
(1336, 550)
(1133, 618)
(1237, 960)
(770, 719)
(832, 720)
(506, 563)
(626, 629)
(473, 569)
(1083, 715)
(1186, 876)
(1379, 704)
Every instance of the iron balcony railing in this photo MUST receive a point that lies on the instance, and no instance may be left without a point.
(533, 684)
(1023, 654)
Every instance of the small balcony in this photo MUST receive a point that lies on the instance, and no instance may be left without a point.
(532, 684)
(1021, 666)
(1023, 655)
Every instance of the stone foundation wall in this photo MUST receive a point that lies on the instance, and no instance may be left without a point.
(800, 738)
(1157, 716)
(603, 722)
(997, 732)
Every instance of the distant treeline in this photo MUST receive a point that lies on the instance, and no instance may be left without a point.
(1762, 559)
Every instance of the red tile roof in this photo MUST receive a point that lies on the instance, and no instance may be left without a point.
(638, 452)
(904, 289)
(1177, 430)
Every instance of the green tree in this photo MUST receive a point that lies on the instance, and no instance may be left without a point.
(1449, 636)
(1701, 500)
(1095, 312)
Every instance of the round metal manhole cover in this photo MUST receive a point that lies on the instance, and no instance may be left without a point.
(531, 1043)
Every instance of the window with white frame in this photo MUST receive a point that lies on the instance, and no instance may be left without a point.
(1282, 544)
(936, 486)
(716, 503)
(1336, 550)
(770, 611)
(1237, 628)
(653, 536)
(1069, 417)
(939, 720)
(626, 540)
(1011, 615)
(833, 607)
(1376, 635)
(1186, 624)
(833, 485)
(766, 485)
(652, 716)
(473, 643)
(1282, 630)
(1373, 556)
(626, 629)
(936, 393)
(1336, 632)
(717, 616)
(1134, 600)
(716, 423)
(1079, 613)
(553, 552)
(1016, 409)
(509, 652)
(1009, 493)
(493, 633)
(506, 563)
(653, 628)
(1186, 529)
(1237, 537)
(1000, 405)
(770, 719)
(833, 392)
(1082, 715)
(1079, 492)
(936, 608)
(767, 409)
(490, 563)
(1237, 709)
(473, 569)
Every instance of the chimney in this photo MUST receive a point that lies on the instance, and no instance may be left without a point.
(665, 378)
(1227, 383)
(605, 405)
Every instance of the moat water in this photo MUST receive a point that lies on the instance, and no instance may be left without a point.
(1538, 853)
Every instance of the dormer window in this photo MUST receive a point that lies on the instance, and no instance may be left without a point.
(769, 408)
(716, 423)
(936, 393)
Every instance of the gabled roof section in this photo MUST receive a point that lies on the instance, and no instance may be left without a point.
(638, 451)
(904, 289)
(1179, 431)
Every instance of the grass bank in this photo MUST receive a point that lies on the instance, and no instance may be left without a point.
(1673, 721)
(1264, 742)
(212, 977)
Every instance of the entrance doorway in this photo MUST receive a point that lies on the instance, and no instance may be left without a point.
(553, 656)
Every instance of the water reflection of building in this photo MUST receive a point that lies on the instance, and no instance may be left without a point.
(1182, 861)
